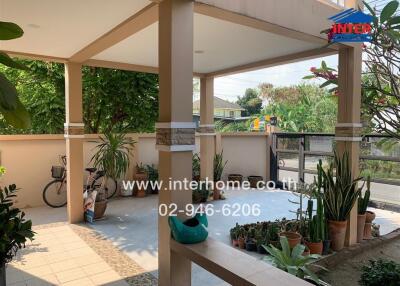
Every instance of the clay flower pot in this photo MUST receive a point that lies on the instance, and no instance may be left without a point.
(360, 227)
(306, 252)
(141, 177)
(337, 233)
(216, 192)
(368, 230)
(241, 243)
(370, 216)
(293, 238)
(235, 242)
(315, 247)
(235, 178)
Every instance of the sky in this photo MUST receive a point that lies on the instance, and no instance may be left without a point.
(230, 87)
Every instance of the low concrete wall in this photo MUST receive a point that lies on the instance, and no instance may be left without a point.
(28, 158)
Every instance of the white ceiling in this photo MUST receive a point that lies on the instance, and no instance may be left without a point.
(60, 28)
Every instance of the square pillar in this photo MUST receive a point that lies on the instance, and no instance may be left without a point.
(206, 128)
(175, 129)
(74, 134)
(348, 127)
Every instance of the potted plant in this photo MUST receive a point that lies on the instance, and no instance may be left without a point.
(250, 240)
(153, 179)
(201, 193)
(140, 177)
(369, 217)
(234, 232)
(253, 180)
(15, 230)
(316, 225)
(362, 209)
(113, 157)
(196, 167)
(241, 238)
(260, 239)
(273, 234)
(219, 166)
(339, 197)
(290, 231)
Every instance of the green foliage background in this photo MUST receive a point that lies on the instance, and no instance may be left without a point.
(112, 99)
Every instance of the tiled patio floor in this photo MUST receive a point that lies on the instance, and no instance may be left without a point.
(72, 255)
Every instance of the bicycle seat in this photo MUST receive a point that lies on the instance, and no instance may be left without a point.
(100, 173)
(91, 170)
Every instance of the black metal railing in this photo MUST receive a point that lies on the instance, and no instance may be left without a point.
(300, 152)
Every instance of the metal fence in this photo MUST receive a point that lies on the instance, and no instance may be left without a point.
(300, 152)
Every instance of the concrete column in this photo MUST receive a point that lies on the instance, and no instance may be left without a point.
(74, 134)
(348, 128)
(175, 129)
(206, 128)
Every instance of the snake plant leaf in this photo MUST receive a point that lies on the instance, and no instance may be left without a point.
(9, 31)
(18, 118)
(7, 61)
(8, 94)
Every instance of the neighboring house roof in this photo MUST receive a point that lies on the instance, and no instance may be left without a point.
(219, 104)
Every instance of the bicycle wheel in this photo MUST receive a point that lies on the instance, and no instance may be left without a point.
(55, 194)
(111, 186)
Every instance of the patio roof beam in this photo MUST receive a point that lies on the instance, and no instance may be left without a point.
(128, 67)
(286, 59)
(244, 20)
(29, 56)
(142, 19)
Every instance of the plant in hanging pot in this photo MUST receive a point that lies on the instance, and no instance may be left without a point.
(339, 196)
(362, 209)
(112, 156)
(15, 230)
(219, 166)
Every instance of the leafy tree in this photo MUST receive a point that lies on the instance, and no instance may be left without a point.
(301, 108)
(251, 101)
(11, 109)
(112, 99)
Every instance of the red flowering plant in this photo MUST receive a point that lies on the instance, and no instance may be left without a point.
(380, 90)
(326, 73)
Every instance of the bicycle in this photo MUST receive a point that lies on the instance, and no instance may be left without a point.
(55, 192)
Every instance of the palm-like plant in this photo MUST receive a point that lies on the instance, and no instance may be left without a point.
(340, 193)
(219, 166)
(292, 260)
(113, 154)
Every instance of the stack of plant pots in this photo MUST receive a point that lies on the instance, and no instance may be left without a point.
(369, 217)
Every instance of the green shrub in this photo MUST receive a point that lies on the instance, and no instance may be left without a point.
(380, 272)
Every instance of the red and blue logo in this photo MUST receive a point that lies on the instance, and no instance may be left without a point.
(350, 26)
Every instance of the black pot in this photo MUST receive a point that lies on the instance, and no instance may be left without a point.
(253, 180)
(3, 275)
(235, 178)
(261, 249)
(326, 246)
(251, 245)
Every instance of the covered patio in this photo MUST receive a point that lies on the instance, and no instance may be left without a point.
(179, 40)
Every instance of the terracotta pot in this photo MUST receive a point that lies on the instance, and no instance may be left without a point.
(253, 180)
(241, 243)
(360, 227)
(216, 193)
(141, 193)
(368, 230)
(235, 242)
(315, 247)
(306, 252)
(337, 233)
(99, 209)
(370, 216)
(293, 238)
